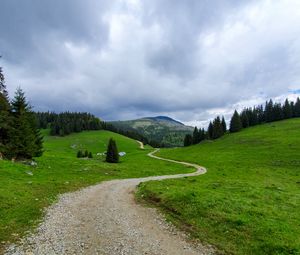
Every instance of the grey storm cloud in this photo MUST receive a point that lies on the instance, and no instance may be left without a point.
(125, 59)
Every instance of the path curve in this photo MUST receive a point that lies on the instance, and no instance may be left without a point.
(141, 144)
(104, 219)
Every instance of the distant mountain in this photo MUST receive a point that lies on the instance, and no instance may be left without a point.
(161, 129)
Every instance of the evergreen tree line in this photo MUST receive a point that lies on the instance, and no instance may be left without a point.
(216, 129)
(248, 117)
(264, 114)
(19, 136)
(67, 122)
(73, 122)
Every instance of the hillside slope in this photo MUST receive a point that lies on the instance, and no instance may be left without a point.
(160, 129)
(25, 190)
(249, 200)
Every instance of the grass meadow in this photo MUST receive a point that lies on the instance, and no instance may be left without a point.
(26, 190)
(249, 200)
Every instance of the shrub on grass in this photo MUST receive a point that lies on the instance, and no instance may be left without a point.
(79, 154)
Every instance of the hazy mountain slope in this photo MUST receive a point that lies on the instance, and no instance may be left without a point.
(161, 129)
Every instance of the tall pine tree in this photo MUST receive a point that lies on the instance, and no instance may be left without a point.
(297, 107)
(188, 140)
(217, 128)
(210, 130)
(5, 118)
(25, 139)
(224, 125)
(196, 136)
(235, 123)
(287, 110)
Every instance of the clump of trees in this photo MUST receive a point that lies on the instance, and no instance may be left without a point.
(66, 123)
(246, 118)
(19, 136)
(216, 129)
(85, 154)
(112, 154)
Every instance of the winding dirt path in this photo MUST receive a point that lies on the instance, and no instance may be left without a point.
(104, 219)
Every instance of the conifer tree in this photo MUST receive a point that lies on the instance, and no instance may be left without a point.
(224, 126)
(112, 155)
(79, 154)
(277, 112)
(269, 116)
(86, 154)
(25, 139)
(202, 134)
(210, 130)
(297, 107)
(244, 119)
(196, 136)
(287, 110)
(235, 123)
(90, 155)
(5, 117)
(217, 128)
(188, 140)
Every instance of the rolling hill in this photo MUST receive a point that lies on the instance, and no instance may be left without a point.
(249, 200)
(26, 189)
(161, 129)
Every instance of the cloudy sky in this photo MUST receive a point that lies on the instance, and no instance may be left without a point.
(124, 59)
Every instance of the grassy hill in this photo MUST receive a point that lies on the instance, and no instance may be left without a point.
(25, 190)
(249, 200)
(161, 129)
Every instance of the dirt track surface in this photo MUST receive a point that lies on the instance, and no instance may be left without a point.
(105, 219)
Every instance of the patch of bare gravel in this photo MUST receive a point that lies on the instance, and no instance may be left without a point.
(104, 219)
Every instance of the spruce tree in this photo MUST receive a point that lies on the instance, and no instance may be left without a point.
(277, 112)
(244, 119)
(5, 117)
(196, 136)
(79, 154)
(287, 110)
(297, 107)
(210, 130)
(217, 128)
(224, 126)
(235, 123)
(269, 115)
(90, 155)
(112, 155)
(188, 140)
(202, 134)
(25, 139)
(86, 154)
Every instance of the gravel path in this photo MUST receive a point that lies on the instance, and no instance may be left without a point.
(104, 219)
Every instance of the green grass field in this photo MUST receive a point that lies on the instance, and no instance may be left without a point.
(23, 196)
(249, 200)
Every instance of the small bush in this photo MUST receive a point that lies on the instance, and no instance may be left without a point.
(79, 154)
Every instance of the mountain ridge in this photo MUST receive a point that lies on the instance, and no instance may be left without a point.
(163, 130)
